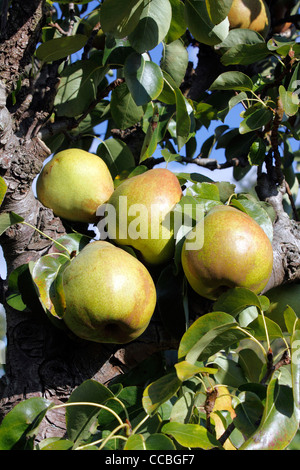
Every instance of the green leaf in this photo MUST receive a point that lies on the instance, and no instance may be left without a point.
(205, 191)
(129, 398)
(78, 87)
(152, 27)
(21, 293)
(57, 444)
(117, 156)
(79, 418)
(245, 54)
(229, 372)
(232, 81)
(257, 152)
(73, 243)
(241, 36)
(290, 101)
(59, 48)
(279, 422)
(201, 26)
(159, 392)
(183, 121)
(255, 120)
(258, 330)
(174, 60)
(155, 441)
(251, 364)
(258, 213)
(116, 51)
(20, 425)
(178, 25)
(185, 370)
(191, 435)
(151, 138)
(144, 79)
(124, 110)
(235, 300)
(3, 189)
(119, 19)
(208, 335)
(44, 272)
(248, 413)
(218, 9)
(7, 219)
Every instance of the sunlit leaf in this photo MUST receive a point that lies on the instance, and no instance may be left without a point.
(191, 435)
(232, 81)
(185, 370)
(160, 391)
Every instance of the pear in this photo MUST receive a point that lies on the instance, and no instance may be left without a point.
(143, 207)
(109, 295)
(250, 14)
(235, 252)
(73, 184)
(280, 297)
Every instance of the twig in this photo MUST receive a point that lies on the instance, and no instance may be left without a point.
(211, 396)
(271, 367)
(59, 28)
(226, 433)
(209, 163)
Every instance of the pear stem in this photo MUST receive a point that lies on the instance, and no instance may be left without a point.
(266, 330)
(254, 339)
(47, 236)
(97, 405)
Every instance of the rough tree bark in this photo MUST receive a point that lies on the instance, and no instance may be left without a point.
(42, 360)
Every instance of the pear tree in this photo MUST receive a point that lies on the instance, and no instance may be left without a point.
(149, 225)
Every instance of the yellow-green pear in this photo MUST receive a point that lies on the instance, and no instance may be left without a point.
(109, 295)
(280, 297)
(143, 214)
(250, 14)
(73, 184)
(235, 252)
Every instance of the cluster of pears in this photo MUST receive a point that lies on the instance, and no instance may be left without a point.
(109, 293)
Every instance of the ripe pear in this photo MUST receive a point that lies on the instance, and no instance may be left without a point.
(73, 184)
(280, 297)
(250, 14)
(143, 206)
(109, 295)
(236, 252)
